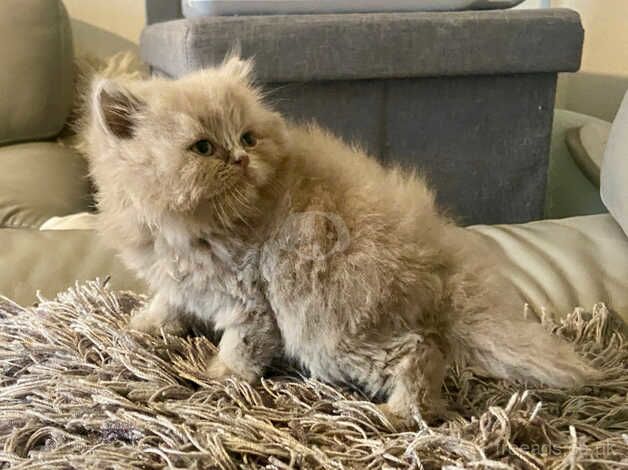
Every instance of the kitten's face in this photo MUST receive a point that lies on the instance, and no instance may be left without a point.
(203, 142)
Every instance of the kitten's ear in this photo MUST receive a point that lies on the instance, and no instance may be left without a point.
(236, 67)
(116, 108)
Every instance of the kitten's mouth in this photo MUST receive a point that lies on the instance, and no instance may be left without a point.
(233, 184)
(238, 168)
(242, 161)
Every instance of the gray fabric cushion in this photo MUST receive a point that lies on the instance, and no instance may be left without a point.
(344, 46)
(465, 97)
(36, 69)
(614, 179)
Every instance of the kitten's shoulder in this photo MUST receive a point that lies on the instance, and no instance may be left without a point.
(312, 140)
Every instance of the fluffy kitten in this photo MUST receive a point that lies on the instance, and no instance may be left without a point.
(291, 242)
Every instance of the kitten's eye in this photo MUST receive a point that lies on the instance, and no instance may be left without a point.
(203, 147)
(248, 139)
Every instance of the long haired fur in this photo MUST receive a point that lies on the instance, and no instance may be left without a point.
(293, 243)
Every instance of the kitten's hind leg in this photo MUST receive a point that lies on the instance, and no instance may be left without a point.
(156, 316)
(247, 348)
(418, 376)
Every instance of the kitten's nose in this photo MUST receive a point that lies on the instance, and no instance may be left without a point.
(240, 158)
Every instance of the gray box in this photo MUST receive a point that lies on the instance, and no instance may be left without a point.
(467, 97)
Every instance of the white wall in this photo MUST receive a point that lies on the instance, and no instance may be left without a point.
(104, 27)
(602, 81)
(606, 34)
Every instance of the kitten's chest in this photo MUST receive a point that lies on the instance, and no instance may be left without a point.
(211, 277)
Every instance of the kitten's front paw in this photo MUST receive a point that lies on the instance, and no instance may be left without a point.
(397, 420)
(147, 321)
(435, 413)
(219, 370)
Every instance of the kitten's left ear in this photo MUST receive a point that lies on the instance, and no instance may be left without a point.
(236, 67)
(116, 108)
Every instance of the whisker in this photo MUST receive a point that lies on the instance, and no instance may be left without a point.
(235, 210)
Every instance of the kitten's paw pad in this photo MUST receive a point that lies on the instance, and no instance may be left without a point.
(218, 370)
(397, 421)
(147, 322)
(430, 414)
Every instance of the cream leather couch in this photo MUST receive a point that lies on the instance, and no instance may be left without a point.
(40, 178)
(556, 264)
(563, 263)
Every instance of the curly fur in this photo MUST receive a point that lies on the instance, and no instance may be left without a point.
(311, 250)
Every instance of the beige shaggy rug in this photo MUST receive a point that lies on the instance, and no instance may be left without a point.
(78, 391)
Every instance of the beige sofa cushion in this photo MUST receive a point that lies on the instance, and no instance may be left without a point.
(80, 221)
(555, 264)
(36, 63)
(560, 264)
(40, 180)
(51, 261)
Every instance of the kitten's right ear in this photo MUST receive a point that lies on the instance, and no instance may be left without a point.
(236, 67)
(116, 108)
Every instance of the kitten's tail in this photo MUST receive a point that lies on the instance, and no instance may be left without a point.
(503, 344)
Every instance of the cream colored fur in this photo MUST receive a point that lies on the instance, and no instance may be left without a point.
(310, 249)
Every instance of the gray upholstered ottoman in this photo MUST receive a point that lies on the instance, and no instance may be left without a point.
(467, 97)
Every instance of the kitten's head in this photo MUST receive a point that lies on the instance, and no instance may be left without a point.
(202, 143)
